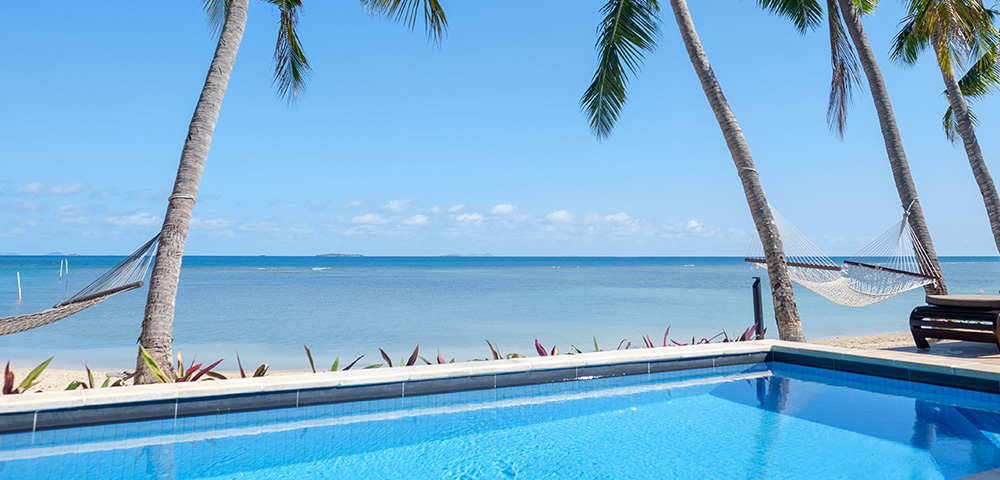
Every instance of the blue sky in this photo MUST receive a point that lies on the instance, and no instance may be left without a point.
(402, 148)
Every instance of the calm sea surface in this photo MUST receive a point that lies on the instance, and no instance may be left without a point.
(266, 308)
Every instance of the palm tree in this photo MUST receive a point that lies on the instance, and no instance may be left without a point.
(956, 30)
(291, 69)
(845, 15)
(629, 28)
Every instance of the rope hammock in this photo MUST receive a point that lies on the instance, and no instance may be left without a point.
(127, 275)
(893, 263)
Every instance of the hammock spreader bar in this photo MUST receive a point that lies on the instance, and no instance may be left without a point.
(125, 276)
(892, 264)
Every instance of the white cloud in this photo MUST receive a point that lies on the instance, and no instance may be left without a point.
(71, 210)
(397, 206)
(370, 219)
(31, 188)
(260, 227)
(214, 224)
(618, 218)
(20, 207)
(417, 221)
(354, 204)
(139, 219)
(66, 190)
(560, 216)
(694, 225)
(102, 194)
(504, 209)
(456, 208)
(467, 218)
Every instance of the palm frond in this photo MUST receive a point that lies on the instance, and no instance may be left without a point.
(215, 13)
(909, 42)
(804, 14)
(950, 125)
(407, 11)
(629, 29)
(846, 76)
(291, 68)
(865, 7)
(983, 77)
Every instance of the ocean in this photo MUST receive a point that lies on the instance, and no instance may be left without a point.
(266, 308)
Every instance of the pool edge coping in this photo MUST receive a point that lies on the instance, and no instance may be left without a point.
(145, 402)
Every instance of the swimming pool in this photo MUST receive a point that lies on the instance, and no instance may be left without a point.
(757, 420)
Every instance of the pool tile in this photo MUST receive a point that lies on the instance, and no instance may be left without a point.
(446, 385)
(617, 370)
(684, 364)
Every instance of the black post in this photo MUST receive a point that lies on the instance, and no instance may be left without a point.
(758, 314)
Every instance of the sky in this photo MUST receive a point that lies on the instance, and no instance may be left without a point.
(476, 146)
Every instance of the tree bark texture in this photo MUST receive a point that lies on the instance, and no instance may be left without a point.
(157, 323)
(971, 143)
(893, 145)
(785, 312)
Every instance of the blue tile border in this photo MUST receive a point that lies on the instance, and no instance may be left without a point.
(917, 375)
(397, 388)
(262, 401)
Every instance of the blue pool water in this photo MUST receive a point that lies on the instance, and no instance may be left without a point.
(761, 421)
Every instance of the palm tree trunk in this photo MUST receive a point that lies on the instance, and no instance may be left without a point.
(157, 324)
(976, 160)
(786, 314)
(893, 145)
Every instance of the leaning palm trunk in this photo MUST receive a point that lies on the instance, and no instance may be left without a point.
(157, 324)
(893, 144)
(785, 312)
(961, 112)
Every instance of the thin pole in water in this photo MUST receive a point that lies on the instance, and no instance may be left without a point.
(19, 285)
(758, 313)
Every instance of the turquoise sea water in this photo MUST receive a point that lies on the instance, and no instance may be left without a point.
(266, 308)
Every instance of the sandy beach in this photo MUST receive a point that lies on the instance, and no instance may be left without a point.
(58, 379)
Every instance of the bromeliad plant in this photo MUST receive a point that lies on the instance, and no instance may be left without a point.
(90, 383)
(192, 374)
(29, 381)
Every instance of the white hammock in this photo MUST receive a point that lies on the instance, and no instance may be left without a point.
(892, 264)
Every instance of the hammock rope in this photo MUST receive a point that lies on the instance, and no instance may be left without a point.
(893, 263)
(126, 275)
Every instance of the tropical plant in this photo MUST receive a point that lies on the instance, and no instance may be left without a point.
(30, 380)
(90, 383)
(258, 372)
(192, 373)
(956, 30)
(846, 50)
(629, 29)
(229, 18)
(336, 362)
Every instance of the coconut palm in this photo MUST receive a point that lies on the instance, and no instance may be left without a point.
(980, 80)
(291, 69)
(956, 30)
(628, 30)
(849, 45)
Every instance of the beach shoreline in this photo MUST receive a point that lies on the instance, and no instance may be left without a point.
(55, 379)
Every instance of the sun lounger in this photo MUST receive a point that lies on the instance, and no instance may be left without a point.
(957, 317)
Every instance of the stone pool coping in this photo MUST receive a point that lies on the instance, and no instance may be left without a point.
(30, 412)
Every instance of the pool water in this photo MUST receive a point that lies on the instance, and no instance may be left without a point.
(767, 420)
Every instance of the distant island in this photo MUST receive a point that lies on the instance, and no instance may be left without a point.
(467, 255)
(340, 255)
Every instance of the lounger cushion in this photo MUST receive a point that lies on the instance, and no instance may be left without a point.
(966, 301)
